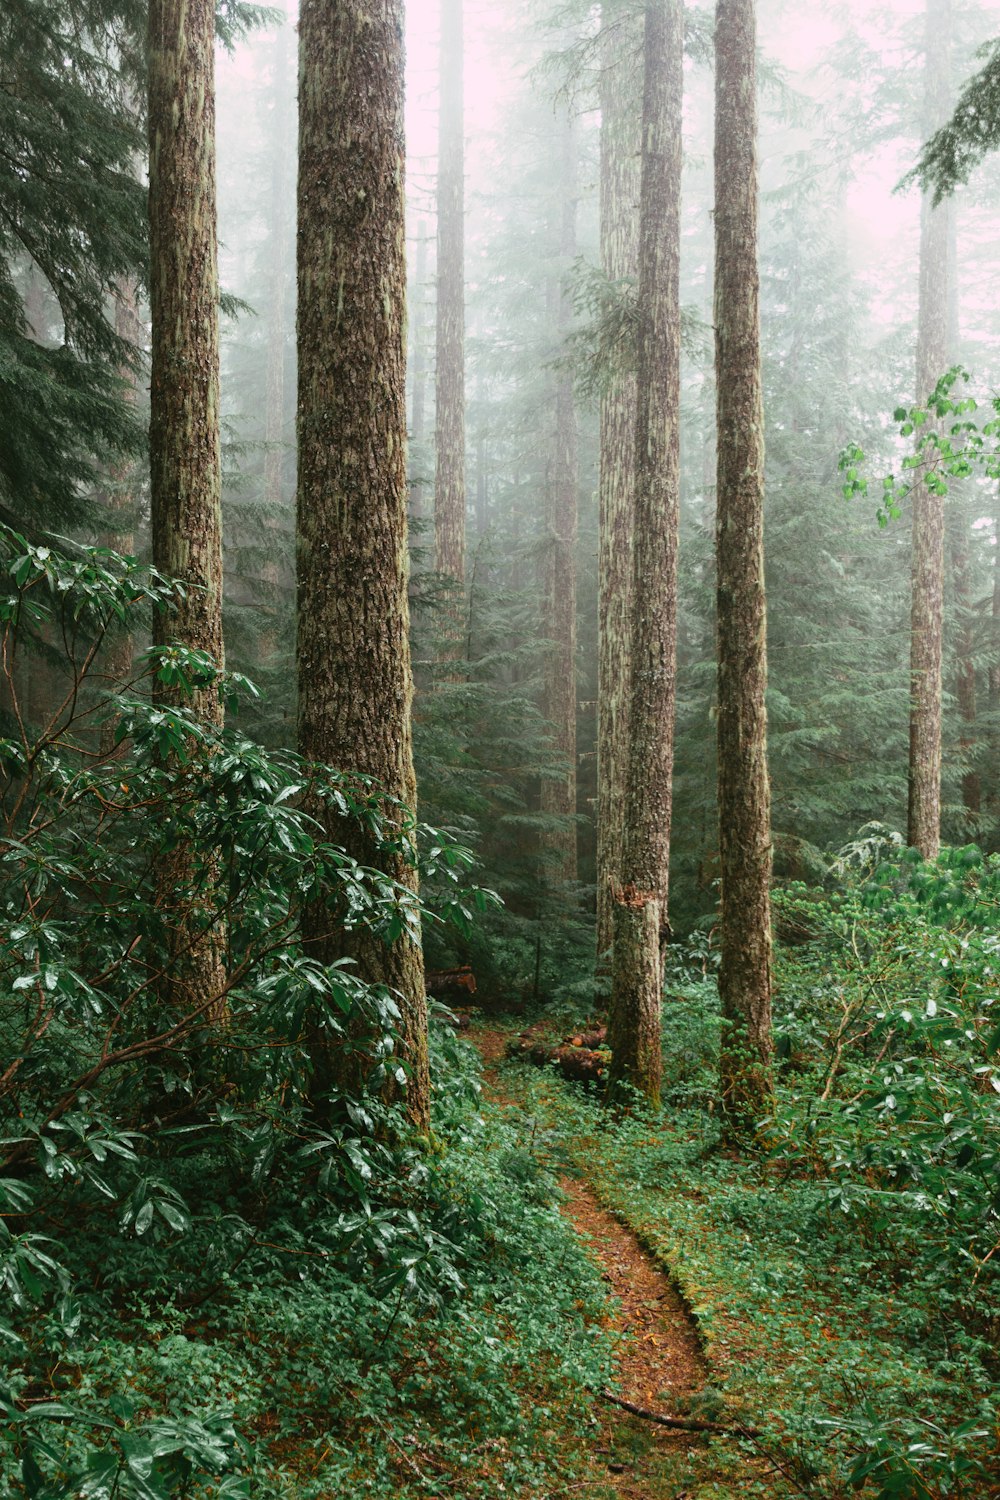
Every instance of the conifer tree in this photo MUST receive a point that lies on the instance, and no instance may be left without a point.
(184, 444)
(185, 455)
(965, 660)
(558, 793)
(72, 230)
(278, 288)
(275, 515)
(743, 785)
(418, 406)
(992, 792)
(119, 517)
(641, 924)
(355, 682)
(621, 113)
(927, 580)
(449, 419)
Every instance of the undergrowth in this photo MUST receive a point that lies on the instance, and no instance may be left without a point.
(458, 1360)
(221, 1277)
(846, 1276)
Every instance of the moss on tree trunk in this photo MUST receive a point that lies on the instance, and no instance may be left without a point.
(185, 463)
(621, 118)
(184, 445)
(641, 894)
(354, 677)
(744, 788)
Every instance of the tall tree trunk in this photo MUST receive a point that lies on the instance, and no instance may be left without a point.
(277, 499)
(558, 797)
(119, 535)
(927, 576)
(185, 463)
(993, 682)
(449, 421)
(621, 114)
(744, 788)
(641, 895)
(965, 686)
(418, 419)
(482, 488)
(184, 446)
(960, 519)
(277, 301)
(355, 681)
(994, 692)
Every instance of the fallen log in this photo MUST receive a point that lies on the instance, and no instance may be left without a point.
(582, 1057)
(594, 1039)
(447, 981)
(579, 1063)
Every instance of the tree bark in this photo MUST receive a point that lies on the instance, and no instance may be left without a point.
(993, 690)
(282, 173)
(418, 480)
(185, 462)
(965, 666)
(621, 115)
(119, 535)
(355, 681)
(449, 421)
(927, 565)
(184, 444)
(277, 497)
(558, 796)
(641, 896)
(744, 788)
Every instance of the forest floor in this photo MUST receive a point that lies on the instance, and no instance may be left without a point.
(739, 1297)
(660, 1364)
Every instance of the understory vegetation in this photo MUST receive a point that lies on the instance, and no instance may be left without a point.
(213, 1282)
(434, 1331)
(846, 1280)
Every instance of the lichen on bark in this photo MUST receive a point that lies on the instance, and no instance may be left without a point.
(184, 442)
(354, 677)
(640, 896)
(743, 783)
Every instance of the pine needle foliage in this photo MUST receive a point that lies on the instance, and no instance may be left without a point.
(72, 230)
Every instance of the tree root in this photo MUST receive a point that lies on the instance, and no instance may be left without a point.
(681, 1424)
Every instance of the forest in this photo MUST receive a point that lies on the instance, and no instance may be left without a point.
(499, 750)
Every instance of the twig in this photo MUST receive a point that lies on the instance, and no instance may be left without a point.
(681, 1424)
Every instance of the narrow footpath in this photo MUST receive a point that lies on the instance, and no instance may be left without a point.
(659, 1362)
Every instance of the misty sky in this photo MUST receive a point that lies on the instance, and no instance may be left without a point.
(798, 34)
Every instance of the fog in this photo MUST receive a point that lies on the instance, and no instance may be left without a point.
(841, 121)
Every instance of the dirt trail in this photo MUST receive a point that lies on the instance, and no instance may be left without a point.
(659, 1360)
